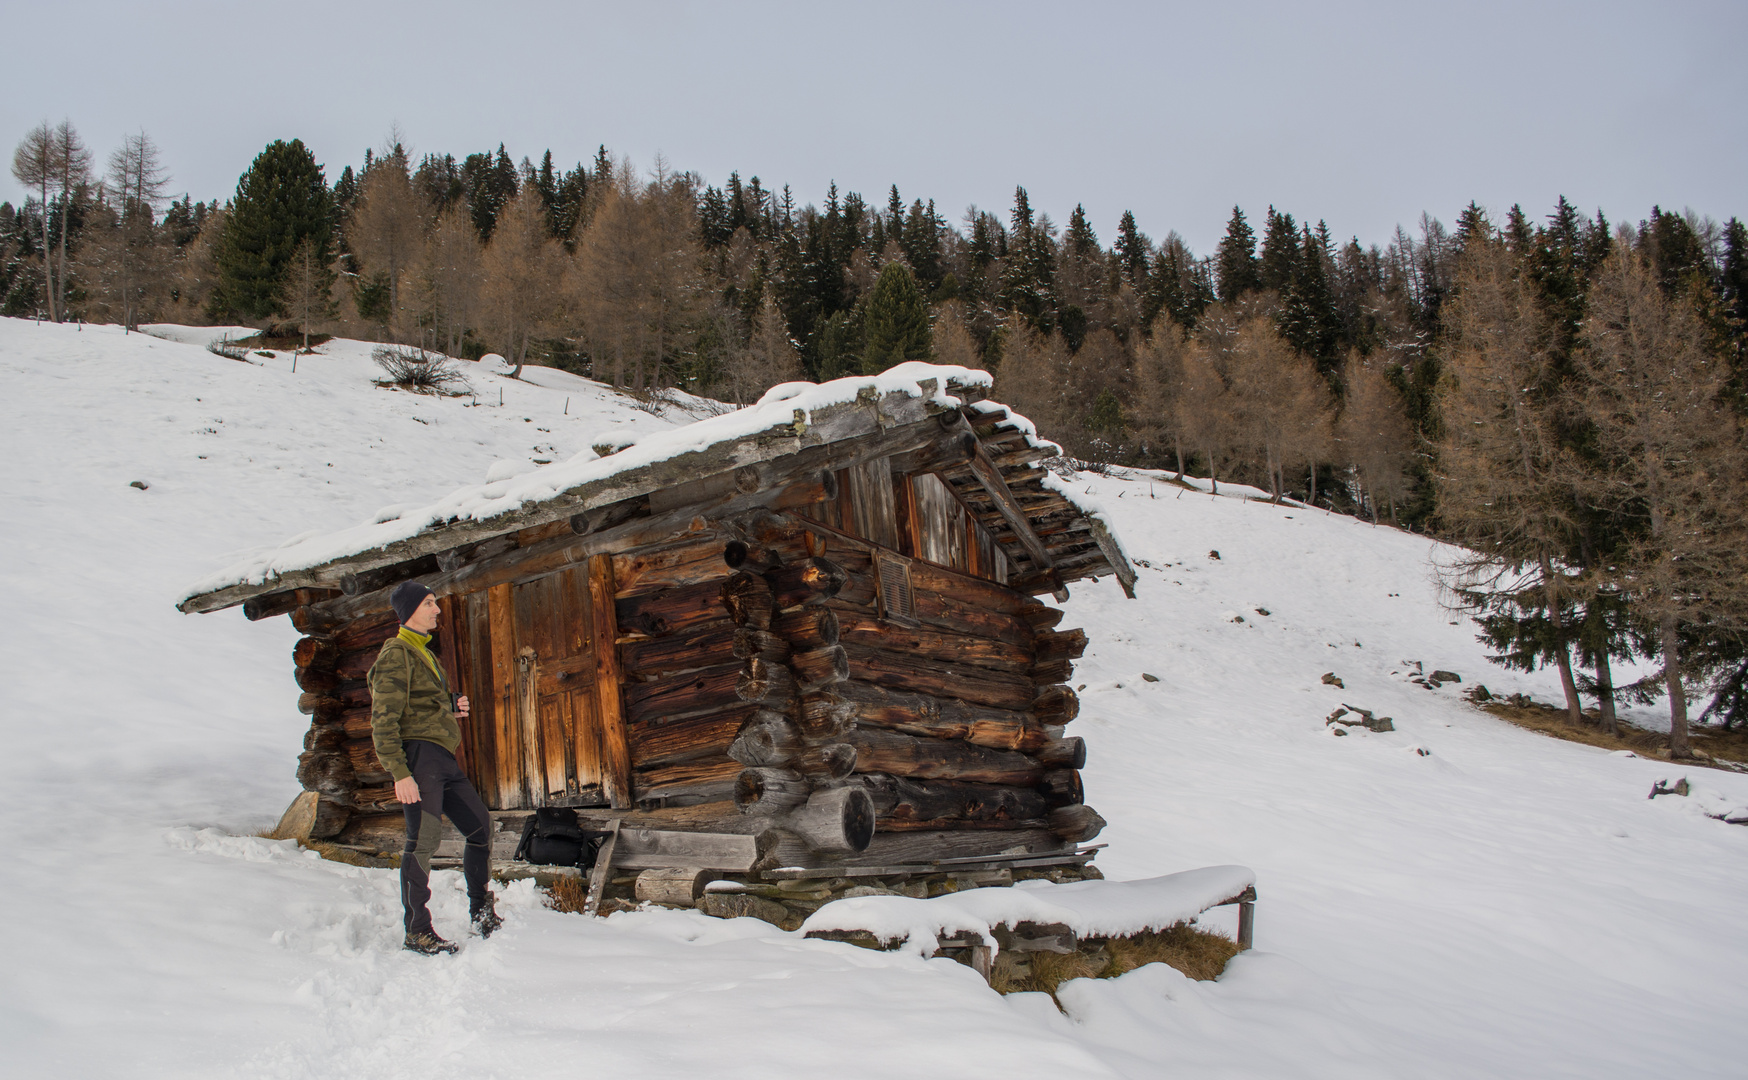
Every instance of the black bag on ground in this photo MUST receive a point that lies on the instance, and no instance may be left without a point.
(552, 836)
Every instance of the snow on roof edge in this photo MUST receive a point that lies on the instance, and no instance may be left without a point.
(478, 502)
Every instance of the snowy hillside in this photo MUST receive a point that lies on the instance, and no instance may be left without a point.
(1457, 898)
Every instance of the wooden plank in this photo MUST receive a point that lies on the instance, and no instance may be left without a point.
(501, 617)
(644, 849)
(598, 874)
(526, 703)
(871, 499)
(615, 746)
(910, 526)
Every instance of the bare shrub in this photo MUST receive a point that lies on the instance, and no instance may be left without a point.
(228, 349)
(419, 371)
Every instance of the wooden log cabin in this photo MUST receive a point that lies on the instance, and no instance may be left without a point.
(814, 621)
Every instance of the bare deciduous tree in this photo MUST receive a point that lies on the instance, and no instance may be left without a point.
(307, 292)
(449, 276)
(71, 164)
(1374, 435)
(386, 229)
(33, 164)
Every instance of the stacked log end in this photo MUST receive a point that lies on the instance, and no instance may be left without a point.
(339, 759)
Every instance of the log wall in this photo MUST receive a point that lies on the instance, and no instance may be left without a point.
(855, 666)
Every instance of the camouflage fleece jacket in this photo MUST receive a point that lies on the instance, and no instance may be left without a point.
(409, 699)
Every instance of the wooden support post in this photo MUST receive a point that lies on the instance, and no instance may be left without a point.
(982, 960)
(598, 874)
(615, 746)
(1247, 922)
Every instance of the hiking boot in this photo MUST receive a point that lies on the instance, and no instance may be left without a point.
(428, 944)
(485, 917)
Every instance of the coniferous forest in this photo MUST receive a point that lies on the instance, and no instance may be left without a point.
(1562, 395)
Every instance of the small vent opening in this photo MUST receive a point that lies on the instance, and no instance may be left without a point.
(897, 601)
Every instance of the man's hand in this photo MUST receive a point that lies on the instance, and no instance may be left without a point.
(407, 790)
(461, 706)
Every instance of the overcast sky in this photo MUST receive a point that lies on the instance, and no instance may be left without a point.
(1362, 114)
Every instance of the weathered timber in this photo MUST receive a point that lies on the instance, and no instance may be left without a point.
(602, 518)
(1061, 787)
(1076, 823)
(808, 628)
(933, 717)
(366, 768)
(356, 663)
(702, 779)
(457, 557)
(709, 690)
(1056, 671)
(767, 738)
(1056, 705)
(317, 680)
(820, 668)
(671, 611)
(314, 652)
(329, 772)
(899, 800)
(645, 848)
(707, 645)
(1066, 645)
(364, 581)
(825, 762)
(809, 581)
(266, 606)
(609, 715)
(838, 820)
(602, 868)
(1068, 753)
(1114, 556)
(769, 791)
(748, 600)
(753, 558)
(750, 644)
(355, 722)
(888, 424)
(904, 848)
(690, 561)
(325, 735)
(672, 886)
(940, 759)
(904, 671)
(824, 716)
(666, 743)
(764, 682)
(954, 648)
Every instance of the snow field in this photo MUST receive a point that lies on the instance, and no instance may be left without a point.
(1500, 905)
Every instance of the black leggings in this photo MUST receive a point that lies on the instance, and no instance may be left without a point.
(445, 789)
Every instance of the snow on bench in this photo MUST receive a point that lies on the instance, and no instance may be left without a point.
(984, 918)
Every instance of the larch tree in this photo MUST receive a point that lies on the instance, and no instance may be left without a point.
(1671, 457)
(306, 292)
(1503, 491)
(137, 183)
(1374, 436)
(523, 268)
(1277, 406)
(386, 230)
(449, 274)
(33, 165)
(1159, 376)
(71, 162)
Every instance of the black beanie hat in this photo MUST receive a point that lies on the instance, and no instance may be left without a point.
(406, 598)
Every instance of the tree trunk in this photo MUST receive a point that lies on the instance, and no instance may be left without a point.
(1562, 655)
(1605, 693)
(1668, 635)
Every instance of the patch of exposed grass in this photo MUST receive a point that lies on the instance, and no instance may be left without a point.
(567, 894)
(1197, 953)
(1713, 747)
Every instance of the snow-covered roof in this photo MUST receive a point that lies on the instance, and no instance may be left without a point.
(790, 417)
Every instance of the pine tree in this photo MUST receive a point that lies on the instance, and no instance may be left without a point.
(1235, 267)
(281, 202)
(897, 321)
(1472, 224)
(1131, 251)
(1280, 261)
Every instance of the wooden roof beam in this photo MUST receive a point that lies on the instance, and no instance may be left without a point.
(991, 479)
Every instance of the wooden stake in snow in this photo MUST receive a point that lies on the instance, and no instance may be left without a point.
(567, 406)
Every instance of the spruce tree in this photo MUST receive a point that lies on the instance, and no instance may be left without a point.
(1235, 266)
(896, 326)
(1131, 251)
(282, 201)
(1280, 252)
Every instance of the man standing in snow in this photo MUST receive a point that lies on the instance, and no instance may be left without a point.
(416, 735)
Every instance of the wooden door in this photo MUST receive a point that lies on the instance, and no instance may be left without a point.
(545, 661)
